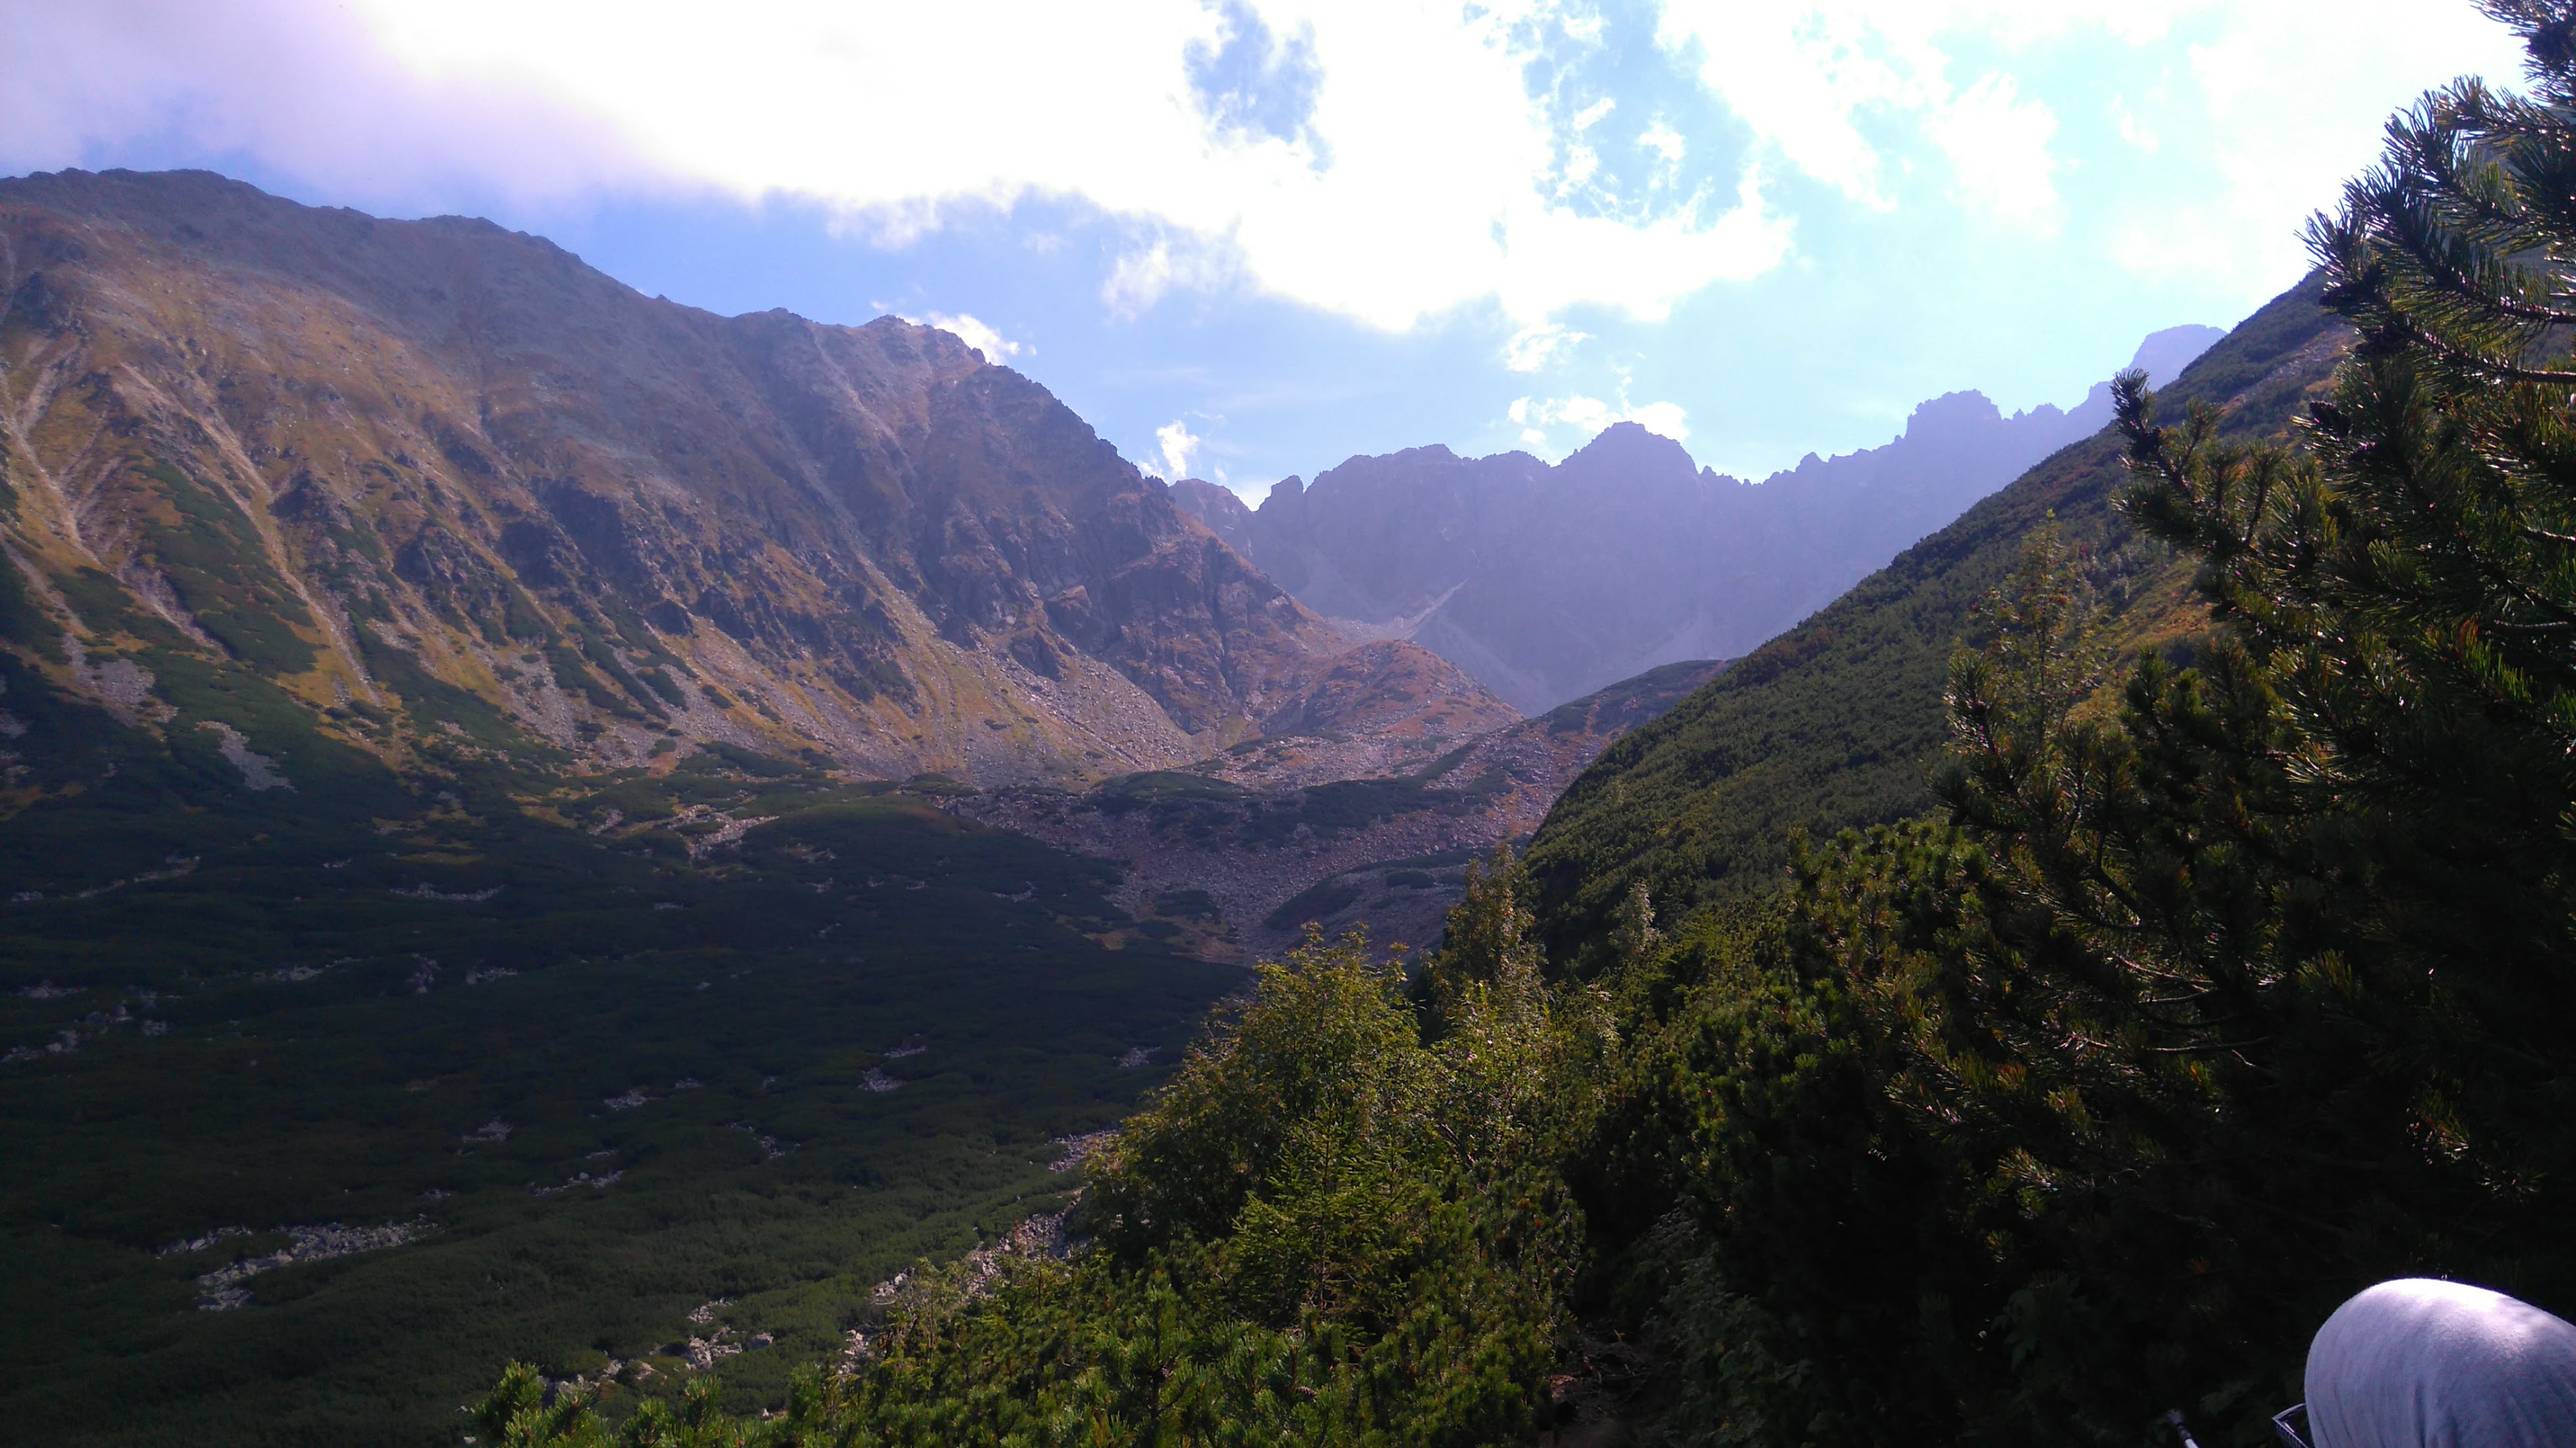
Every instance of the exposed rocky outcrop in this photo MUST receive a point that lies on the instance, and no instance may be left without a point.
(1232, 858)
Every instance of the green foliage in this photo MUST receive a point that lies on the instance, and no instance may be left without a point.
(523, 621)
(573, 673)
(660, 680)
(2200, 1012)
(1489, 940)
(715, 752)
(351, 977)
(1335, 1224)
(1630, 702)
(1188, 905)
(1164, 788)
(432, 701)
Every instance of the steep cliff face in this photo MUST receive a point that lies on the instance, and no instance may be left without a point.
(1547, 582)
(437, 465)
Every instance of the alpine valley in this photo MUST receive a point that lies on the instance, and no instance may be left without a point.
(540, 823)
(581, 873)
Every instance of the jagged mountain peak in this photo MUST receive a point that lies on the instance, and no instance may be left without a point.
(1547, 582)
(1951, 412)
(2165, 354)
(1630, 449)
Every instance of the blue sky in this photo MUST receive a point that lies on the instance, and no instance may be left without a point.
(1248, 238)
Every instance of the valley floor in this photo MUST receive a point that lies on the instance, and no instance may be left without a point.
(304, 1147)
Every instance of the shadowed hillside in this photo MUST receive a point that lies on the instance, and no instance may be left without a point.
(1236, 856)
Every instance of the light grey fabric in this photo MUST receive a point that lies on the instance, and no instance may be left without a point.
(2419, 1363)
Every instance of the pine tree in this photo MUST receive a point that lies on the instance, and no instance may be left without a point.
(2405, 599)
(2201, 1012)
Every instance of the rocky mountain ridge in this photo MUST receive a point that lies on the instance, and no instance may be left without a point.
(435, 476)
(1548, 581)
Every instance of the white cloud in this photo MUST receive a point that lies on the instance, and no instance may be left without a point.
(976, 333)
(2132, 129)
(1537, 345)
(1562, 258)
(1821, 81)
(2288, 100)
(1582, 163)
(1419, 174)
(1997, 144)
(1148, 272)
(1801, 75)
(305, 86)
(1664, 418)
(2274, 101)
(1587, 416)
(1417, 158)
(1179, 448)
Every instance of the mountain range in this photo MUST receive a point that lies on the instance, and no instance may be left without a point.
(1547, 582)
(637, 825)
(436, 475)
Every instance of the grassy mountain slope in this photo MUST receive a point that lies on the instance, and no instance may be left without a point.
(1835, 723)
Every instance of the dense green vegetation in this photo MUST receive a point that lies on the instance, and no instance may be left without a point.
(1338, 1222)
(2228, 971)
(2190, 1017)
(257, 1009)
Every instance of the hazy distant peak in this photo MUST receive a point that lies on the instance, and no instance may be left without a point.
(1952, 414)
(2164, 354)
(1628, 434)
(1548, 581)
(1631, 448)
